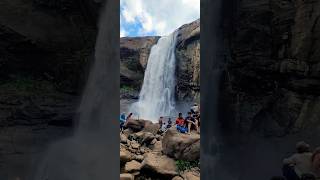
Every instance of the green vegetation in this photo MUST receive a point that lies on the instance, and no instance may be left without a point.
(186, 165)
(126, 88)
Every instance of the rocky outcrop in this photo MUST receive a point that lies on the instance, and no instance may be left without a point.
(143, 156)
(134, 53)
(188, 61)
(160, 164)
(271, 81)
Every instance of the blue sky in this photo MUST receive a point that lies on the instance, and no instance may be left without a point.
(156, 17)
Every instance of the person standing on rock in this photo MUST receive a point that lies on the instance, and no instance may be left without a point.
(122, 120)
(128, 119)
(160, 121)
(191, 121)
(180, 124)
(195, 108)
(299, 163)
(169, 123)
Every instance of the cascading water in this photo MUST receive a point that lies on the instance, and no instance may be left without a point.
(157, 94)
(88, 153)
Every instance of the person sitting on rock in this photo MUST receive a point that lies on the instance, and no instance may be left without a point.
(163, 126)
(180, 124)
(191, 122)
(299, 163)
(122, 120)
(169, 123)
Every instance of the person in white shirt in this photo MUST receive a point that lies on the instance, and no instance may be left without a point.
(299, 163)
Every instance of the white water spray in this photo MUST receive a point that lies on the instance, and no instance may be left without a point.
(157, 94)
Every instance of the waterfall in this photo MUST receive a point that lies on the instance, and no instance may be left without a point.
(88, 153)
(158, 90)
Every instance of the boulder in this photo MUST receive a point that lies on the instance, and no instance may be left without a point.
(147, 138)
(135, 124)
(157, 147)
(123, 138)
(143, 137)
(125, 155)
(181, 146)
(160, 164)
(177, 178)
(191, 175)
(138, 158)
(151, 127)
(134, 145)
(126, 176)
(132, 166)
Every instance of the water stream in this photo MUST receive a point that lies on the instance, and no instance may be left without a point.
(158, 90)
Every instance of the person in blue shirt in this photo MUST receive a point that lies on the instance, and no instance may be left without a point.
(122, 120)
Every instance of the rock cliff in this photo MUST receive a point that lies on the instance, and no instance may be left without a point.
(271, 81)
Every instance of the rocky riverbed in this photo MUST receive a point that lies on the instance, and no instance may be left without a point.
(147, 154)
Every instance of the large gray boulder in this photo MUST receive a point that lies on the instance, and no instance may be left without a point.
(160, 164)
(181, 146)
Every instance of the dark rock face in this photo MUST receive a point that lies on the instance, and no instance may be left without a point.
(134, 53)
(188, 61)
(45, 47)
(271, 79)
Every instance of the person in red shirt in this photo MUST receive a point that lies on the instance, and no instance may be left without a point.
(180, 124)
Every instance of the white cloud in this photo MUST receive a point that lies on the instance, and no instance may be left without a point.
(159, 16)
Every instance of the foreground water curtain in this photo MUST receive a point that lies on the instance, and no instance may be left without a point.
(159, 82)
(86, 155)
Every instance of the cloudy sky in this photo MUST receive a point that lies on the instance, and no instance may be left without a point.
(156, 17)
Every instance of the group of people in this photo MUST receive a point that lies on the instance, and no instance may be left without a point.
(184, 125)
(303, 165)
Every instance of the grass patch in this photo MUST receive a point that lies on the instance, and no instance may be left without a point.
(186, 165)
